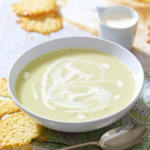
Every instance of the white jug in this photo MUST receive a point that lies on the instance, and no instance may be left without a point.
(122, 36)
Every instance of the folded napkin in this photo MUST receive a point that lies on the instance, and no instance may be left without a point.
(139, 114)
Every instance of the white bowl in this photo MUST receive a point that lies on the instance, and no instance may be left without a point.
(127, 57)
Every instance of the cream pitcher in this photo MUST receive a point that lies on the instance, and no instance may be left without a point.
(117, 24)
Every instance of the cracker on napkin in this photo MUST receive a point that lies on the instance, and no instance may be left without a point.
(7, 107)
(18, 129)
(45, 24)
(4, 88)
(33, 7)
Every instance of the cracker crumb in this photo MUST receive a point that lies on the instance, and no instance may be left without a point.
(18, 21)
(143, 1)
(148, 41)
(29, 148)
(44, 139)
(31, 38)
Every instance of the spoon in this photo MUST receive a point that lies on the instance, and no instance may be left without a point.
(116, 139)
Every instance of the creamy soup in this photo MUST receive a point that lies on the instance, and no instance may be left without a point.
(75, 84)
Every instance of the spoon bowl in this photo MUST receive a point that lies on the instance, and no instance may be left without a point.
(116, 139)
(122, 137)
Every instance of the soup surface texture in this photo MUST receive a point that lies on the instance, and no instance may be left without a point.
(75, 84)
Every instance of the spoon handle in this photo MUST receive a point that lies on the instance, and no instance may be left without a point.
(80, 145)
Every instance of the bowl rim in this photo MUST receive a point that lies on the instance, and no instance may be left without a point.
(71, 122)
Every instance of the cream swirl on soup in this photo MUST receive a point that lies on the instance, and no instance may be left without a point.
(60, 89)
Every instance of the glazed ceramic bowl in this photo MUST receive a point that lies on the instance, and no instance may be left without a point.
(82, 42)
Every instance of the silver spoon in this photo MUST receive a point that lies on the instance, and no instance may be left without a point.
(117, 139)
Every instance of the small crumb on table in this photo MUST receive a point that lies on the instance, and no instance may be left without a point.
(148, 41)
(18, 21)
(31, 38)
(29, 148)
(44, 139)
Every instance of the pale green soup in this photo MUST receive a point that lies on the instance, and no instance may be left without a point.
(75, 84)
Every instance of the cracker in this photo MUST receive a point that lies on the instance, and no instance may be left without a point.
(4, 88)
(7, 107)
(33, 7)
(18, 129)
(45, 24)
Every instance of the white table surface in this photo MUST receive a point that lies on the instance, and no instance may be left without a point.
(14, 41)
